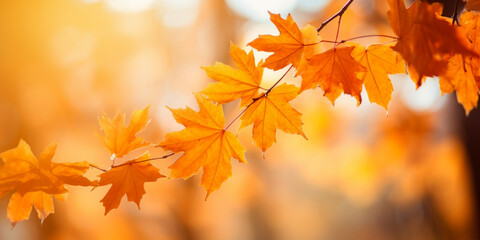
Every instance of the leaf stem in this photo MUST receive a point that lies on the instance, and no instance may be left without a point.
(338, 30)
(338, 14)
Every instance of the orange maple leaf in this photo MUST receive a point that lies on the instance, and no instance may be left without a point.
(288, 47)
(206, 144)
(232, 84)
(19, 207)
(379, 61)
(470, 24)
(128, 179)
(462, 74)
(335, 71)
(271, 111)
(120, 139)
(425, 39)
(29, 177)
(459, 77)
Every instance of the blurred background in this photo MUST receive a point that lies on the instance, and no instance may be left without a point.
(364, 173)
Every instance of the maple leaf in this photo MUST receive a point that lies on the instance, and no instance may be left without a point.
(36, 180)
(459, 77)
(425, 38)
(128, 179)
(312, 46)
(335, 71)
(206, 144)
(271, 111)
(470, 24)
(232, 84)
(288, 47)
(19, 207)
(462, 75)
(22, 171)
(120, 139)
(379, 61)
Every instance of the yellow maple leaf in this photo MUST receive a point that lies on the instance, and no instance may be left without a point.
(120, 139)
(34, 181)
(232, 84)
(20, 207)
(206, 144)
(379, 61)
(271, 111)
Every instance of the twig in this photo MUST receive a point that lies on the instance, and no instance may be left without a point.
(240, 114)
(339, 13)
(99, 168)
(455, 14)
(144, 160)
(127, 163)
(365, 36)
(285, 74)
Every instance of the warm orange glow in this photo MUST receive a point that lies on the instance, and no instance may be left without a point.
(363, 173)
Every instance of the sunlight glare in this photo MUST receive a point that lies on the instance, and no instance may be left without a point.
(129, 6)
(257, 9)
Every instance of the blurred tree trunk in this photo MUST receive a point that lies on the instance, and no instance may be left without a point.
(471, 139)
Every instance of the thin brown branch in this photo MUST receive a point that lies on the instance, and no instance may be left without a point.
(339, 13)
(240, 114)
(274, 85)
(144, 160)
(312, 44)
(366, 36)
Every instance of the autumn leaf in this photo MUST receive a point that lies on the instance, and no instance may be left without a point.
(335, 71)
(425, 39)
(120, 139)
(288, 47)
(22, 171)
(128, 179)
(233, 84)
(34, 181)
(470, 24)
(379, 61)
(459, 78)
(311, 47)
(20, 207)
(206, 144)
(462, 74)
(271, 111)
